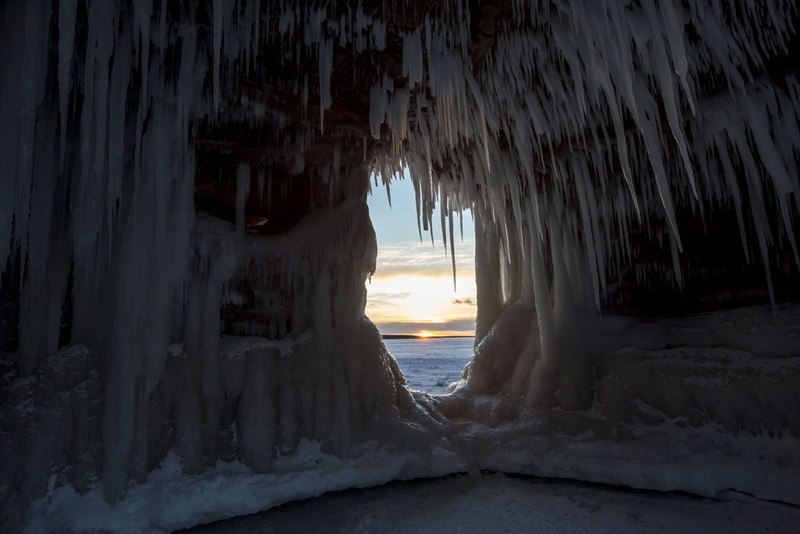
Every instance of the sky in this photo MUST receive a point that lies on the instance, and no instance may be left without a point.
(412, 290)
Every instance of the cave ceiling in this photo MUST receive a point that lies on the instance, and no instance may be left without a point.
(297, 134)
(294, 112)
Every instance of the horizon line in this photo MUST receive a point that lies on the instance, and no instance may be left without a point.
(418, 336)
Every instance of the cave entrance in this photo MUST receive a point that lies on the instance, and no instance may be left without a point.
(426, 318)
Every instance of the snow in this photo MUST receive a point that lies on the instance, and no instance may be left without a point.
(170, 500)
(431, 365)
(234, 347)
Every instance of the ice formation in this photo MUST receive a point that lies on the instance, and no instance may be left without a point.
(144, 313)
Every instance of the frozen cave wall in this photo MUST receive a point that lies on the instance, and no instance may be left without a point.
(164, 291)
(184, 235)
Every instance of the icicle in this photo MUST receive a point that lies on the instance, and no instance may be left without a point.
(377, 110)
(772, 160)
(589, 228)
(269, 191)
(242, 192)
(386, 184)
(418, 206)
(261, 178)
(452, 249)
(668, 97)
(412, 57)
(325, 67)
(379, 34)
(442, 215)
(217, 26)
(66, 38)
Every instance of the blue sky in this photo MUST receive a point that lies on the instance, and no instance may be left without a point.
(412, 289)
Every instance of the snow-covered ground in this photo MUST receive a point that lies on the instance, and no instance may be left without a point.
(498, 503)
(675, 410)
(170, 499)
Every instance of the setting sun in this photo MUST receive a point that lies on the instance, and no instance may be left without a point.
(425, 305)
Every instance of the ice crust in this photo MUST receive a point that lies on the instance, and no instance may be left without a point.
(588, 121)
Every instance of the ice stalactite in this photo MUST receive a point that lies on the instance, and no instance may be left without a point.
(604, 122)
(115, 266)
(242, 192)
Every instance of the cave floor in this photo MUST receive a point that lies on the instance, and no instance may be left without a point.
(490, 502)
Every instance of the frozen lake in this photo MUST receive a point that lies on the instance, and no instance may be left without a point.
(431, 364)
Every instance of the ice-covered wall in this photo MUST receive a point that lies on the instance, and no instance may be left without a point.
(142, 320)
(117, 355)
(304, 361)
(98, 212)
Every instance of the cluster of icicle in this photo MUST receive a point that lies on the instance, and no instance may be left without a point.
(595, 118)
(588, 120)
(97, 193)
(101, 101)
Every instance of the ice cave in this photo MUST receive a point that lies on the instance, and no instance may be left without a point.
(185, 243)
